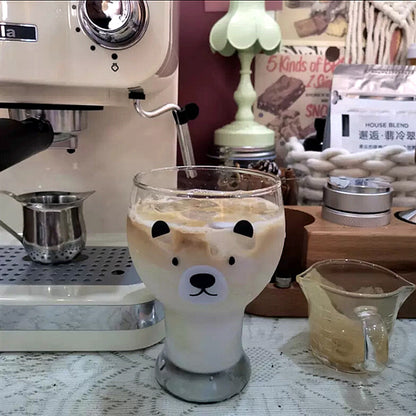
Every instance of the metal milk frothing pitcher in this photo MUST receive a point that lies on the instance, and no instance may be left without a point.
(53, 225)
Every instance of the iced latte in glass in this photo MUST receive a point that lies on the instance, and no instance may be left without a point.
(205, 241)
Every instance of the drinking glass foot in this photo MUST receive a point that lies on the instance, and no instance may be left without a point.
(202, 388)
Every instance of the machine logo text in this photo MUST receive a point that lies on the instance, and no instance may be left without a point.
(17, 31)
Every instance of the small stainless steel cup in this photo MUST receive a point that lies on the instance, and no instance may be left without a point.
(53, 225)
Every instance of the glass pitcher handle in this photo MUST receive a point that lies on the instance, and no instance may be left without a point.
(376, 339)
(4, 225)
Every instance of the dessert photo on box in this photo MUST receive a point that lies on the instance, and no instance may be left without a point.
(313, 21)
(293, 90)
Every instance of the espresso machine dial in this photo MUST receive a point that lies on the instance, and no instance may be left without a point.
(114, 24)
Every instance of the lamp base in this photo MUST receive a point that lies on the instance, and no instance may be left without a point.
(244, 133)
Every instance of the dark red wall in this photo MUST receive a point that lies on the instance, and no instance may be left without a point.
(205, 78)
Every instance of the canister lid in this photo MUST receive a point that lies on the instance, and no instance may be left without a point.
(358, 185)
(243, 152)
(357, 195)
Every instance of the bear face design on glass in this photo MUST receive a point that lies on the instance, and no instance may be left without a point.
(205, 240)
(203, 283)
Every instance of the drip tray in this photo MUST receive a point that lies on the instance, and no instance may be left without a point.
(97, 302)
(93, 266)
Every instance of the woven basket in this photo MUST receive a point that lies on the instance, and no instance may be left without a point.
(394, 164)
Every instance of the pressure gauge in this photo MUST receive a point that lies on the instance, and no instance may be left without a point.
(114, 24)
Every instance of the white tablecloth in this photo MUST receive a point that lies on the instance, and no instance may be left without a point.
(285, 380)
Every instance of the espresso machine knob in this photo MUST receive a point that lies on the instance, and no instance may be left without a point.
(114, 24)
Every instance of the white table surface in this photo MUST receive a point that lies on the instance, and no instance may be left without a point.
(286, 380)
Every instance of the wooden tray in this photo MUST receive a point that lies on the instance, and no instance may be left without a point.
(309, 239)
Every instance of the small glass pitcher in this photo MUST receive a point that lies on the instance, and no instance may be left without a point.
(352, 309)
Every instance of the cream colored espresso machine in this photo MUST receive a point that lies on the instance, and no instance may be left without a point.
(89, 68)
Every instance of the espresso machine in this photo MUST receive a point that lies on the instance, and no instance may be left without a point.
(85, 69)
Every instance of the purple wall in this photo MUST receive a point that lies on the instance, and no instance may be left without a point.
(205, 78)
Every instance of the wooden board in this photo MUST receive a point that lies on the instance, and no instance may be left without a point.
(309, 239)
(392, 246)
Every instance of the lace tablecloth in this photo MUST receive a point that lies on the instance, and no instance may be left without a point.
(285, 380)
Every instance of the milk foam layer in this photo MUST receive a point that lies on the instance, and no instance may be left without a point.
(203, 336)
(203, 213)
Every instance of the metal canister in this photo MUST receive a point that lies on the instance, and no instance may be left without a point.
(243, 156)
(357, 202)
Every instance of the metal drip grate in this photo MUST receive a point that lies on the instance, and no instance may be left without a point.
(94, 266)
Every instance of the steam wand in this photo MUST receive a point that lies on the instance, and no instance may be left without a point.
(181, 117)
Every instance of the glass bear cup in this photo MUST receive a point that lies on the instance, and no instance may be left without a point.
(206, 241)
